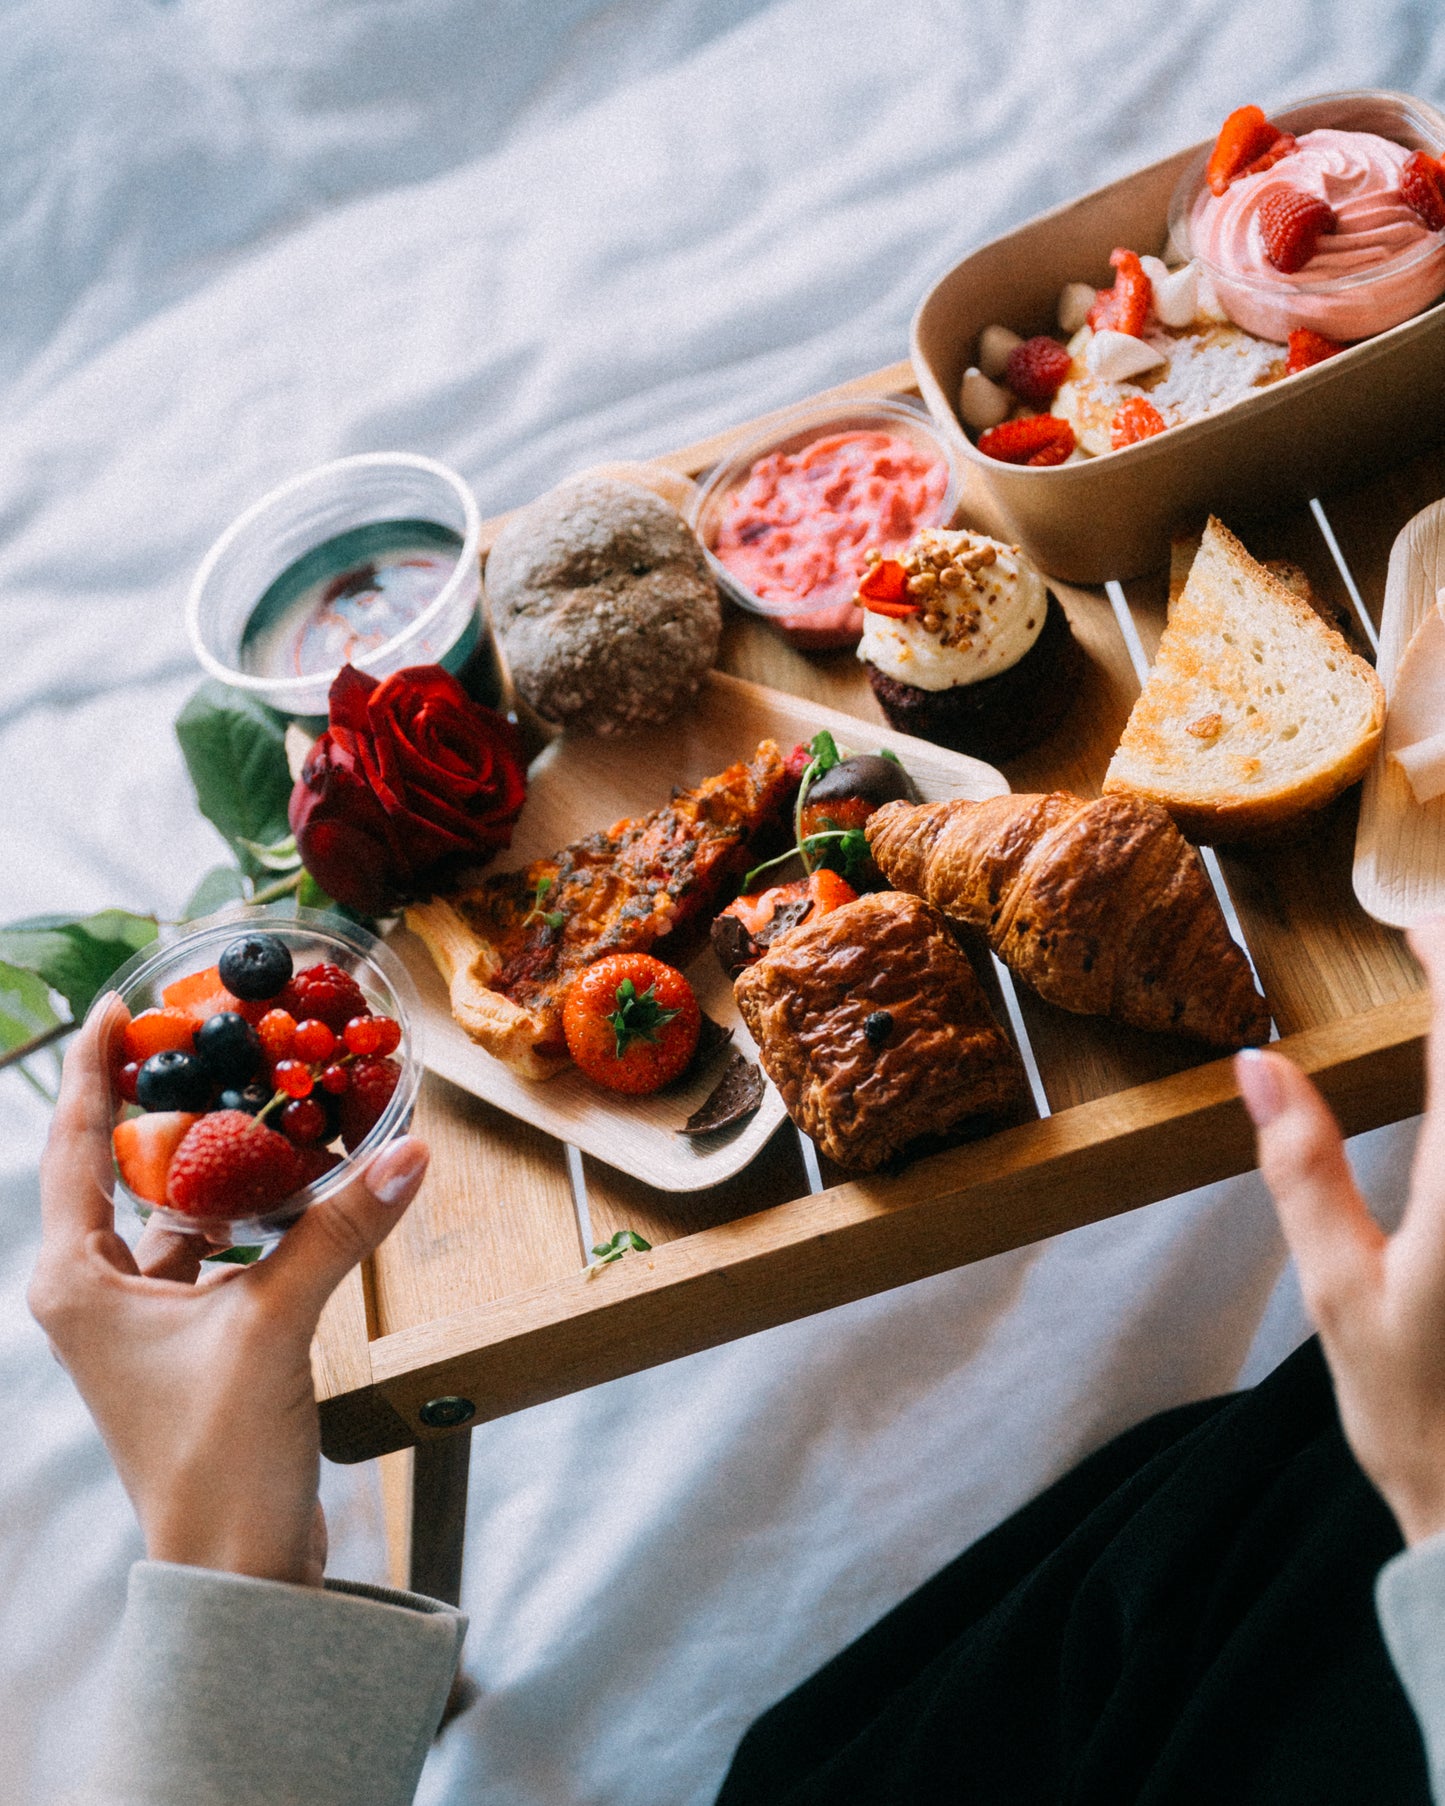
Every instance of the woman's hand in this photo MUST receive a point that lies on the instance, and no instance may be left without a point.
(201, 1385)
(1378, 1300)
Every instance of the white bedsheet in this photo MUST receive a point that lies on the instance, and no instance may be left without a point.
(237, 239)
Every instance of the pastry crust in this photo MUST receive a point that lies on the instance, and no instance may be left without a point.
(1103, 907)
(875, 1029)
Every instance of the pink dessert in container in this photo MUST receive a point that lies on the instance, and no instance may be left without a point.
(1381, 264)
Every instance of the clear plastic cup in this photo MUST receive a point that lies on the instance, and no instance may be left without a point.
(304, 513)
(313, 938)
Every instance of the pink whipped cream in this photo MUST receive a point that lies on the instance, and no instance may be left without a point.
(1380, 255)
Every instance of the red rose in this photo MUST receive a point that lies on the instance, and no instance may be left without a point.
(410, 774)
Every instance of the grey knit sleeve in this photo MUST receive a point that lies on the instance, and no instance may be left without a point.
(231, 1690)
(1410, 1597)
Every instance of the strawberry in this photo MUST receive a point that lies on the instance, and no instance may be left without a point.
(883, 590)
(1243, 139)
(1282, 147)
(372, 1083)
(1292, 222)
(1307, 347)
(1136, 419)
(1422, 188)
(1125, 307)
(1043, 439)
(326, 993)
(202, 995)
(158, 1031)
(144, 1147)
(1035, 369)
(230, 1165)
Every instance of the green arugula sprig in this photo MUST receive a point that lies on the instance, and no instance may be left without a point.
(848, 845)
(625, 1241)
(554, 918)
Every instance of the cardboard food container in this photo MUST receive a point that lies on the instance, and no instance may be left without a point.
(1112, 516)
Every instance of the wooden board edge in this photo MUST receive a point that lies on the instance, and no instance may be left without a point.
(1080, 1166)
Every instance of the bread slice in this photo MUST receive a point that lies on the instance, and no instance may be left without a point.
(1255, 711)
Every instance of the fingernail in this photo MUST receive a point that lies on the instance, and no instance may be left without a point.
(396, 1172)
(1258, 1079)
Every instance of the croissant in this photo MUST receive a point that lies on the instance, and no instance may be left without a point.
(1103, 907)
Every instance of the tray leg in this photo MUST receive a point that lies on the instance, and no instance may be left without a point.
(438, 1516)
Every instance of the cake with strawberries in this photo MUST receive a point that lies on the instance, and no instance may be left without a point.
(1290, 249)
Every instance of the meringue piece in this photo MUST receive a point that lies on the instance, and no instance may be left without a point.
(1115, 356)
(981, 404)
(1414, 738)
(994, 345)
(1075, 300)
(1176, 292)
(1210, 307)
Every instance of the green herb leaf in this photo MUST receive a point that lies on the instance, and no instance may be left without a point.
(76, 956)
(842, 850)
(621, 1243)
(221, 885)
(553, 918)
(824, 750)
(887, 752)
(235, 751)
(25, 1007)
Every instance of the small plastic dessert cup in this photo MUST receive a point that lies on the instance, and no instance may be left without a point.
(274, 533)
(1347, 308)
(828, 620)
(313, 937)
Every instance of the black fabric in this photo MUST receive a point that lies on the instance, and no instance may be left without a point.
(1187, 1619)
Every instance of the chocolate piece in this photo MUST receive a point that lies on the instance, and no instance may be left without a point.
(737, 1094)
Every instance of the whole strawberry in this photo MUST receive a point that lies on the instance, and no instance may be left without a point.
(323, 993)
(1035, 370)
(372, 1082)
(230, 1165)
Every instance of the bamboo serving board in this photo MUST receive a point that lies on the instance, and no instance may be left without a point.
(1400, 848)
(578, 785)
(482, 1295)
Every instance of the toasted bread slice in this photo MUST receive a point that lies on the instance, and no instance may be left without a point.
(1255, 710)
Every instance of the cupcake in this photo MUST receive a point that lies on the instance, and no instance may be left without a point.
(963, 644)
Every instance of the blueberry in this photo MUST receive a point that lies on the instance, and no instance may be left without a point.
(173, 1081)
(251, 1099)
(229, 1048)
(255, 967)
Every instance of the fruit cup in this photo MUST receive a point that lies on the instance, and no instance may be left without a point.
(208, 1081)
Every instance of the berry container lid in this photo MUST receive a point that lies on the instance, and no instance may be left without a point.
(793, 431)
(312, 937)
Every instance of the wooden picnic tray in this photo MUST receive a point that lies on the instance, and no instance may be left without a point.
(481, 1298)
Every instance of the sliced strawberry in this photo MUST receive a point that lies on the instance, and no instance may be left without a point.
(1307, 347)
(1422, 187)
(1042, 439)
(229, 1165)
(1243, 138)
(158, 1031)
(1282, 147)
(144, 1147)
(1292, 223)
(202, 995)
(1134, 420)
(1035, 370)
(1125, 307)
(883, 590)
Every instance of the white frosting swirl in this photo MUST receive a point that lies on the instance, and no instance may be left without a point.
(987, 625)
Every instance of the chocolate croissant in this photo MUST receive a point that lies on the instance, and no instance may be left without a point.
(1103, 907)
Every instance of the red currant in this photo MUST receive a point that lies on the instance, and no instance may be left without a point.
(277, 1029)
(292, 1077)
(314, 1040)
(303, 1120)
(335, 1079)
(126, 1078)
(390, 1035)
(361, 1035)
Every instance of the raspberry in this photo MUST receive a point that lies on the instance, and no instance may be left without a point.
(1422, 188)
(335, 1079)
(314, 1040)
(1134, 420)
(372, 1083)
(230, 1165)
(797, 762)
(1307, 348)
(1035, 369)
(277, 1029)
(316, 1163)
(326, 992)
(1291, 223)
(1244, 138)
(1125, 307)
(1044, 439)
(373, 1035)
(158, 1031)
(293, 1077)
(303, 1119)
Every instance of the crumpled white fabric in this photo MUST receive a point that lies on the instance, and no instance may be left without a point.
(237, 240)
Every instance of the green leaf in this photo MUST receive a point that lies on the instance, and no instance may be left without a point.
(235, 751)
(25, 1008)
(824, 750)
(221, 885)
(236, 1257)
(76, 957)
(280, 856)
(620, 1244)
(310, 895)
